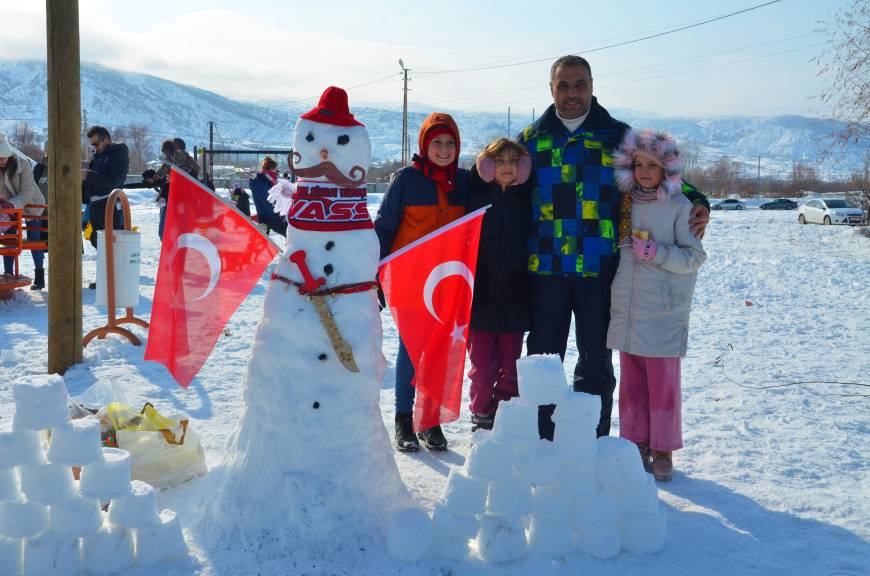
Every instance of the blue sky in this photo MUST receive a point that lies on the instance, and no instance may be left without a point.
(756, 63)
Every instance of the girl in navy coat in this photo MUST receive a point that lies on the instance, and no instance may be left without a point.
(500, 310)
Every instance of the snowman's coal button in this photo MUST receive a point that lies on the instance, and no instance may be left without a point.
(322, 357)
(316, 405)
(327, 269)
(330, 245)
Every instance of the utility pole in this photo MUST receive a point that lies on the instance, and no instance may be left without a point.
(406, 143)
(758, 180)
(210, 148)
(509, 122)
(64, 185)
(533, 115)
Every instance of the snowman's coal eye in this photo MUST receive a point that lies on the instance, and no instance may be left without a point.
(310, 137)
(343, 139)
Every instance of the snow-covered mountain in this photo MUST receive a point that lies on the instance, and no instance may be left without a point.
(118, 99)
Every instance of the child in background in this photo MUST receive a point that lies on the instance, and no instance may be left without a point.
(421, 198)
(651, 295)
(500, 310)
(241, 200)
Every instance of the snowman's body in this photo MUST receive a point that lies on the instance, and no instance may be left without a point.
(311, 441)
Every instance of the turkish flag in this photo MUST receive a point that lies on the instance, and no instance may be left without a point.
(429, 284)
(212, 256)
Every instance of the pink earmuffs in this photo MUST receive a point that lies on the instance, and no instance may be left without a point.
(486, 169)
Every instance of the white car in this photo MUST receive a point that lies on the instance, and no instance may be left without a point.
(729, 204)
(830, 211)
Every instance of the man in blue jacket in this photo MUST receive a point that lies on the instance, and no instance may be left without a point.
(573, 242)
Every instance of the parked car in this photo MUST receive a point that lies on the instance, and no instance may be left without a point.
(830, 211)
(780, 204)
(729, 204)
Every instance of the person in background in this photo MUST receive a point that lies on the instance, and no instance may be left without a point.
(18, 189)
(184, 160)
(241, 200)
(107, 170)
(149, 182)
(651, 295)
(501, 306)
(260, 185)
(421, 198)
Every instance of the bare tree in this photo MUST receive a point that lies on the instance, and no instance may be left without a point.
(139, 142)
(845, 65)
(25, 139)
(860, 187)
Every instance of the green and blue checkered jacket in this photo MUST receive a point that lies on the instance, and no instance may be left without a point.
(574, 201)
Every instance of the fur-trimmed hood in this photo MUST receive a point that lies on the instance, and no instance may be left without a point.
(657, 145)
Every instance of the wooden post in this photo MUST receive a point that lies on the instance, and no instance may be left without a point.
(64, 186)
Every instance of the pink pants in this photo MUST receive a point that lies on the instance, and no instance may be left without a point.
(649, 401)
(493, 371)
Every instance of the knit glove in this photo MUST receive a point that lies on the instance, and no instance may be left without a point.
(644, 249)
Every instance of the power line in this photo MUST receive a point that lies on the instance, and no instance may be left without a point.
(537, 85)
(607, 46)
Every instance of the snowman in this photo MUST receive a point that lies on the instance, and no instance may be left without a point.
(311, 449)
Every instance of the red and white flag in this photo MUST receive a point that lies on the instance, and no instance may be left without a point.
(212, 256)
(429, 285)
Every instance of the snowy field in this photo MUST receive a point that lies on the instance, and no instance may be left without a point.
(771, 481)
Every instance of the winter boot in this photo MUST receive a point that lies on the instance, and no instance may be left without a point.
(481, 421)
(433, 438)
(662, 465)
(39, 281)
(406, 441)
(645, 455)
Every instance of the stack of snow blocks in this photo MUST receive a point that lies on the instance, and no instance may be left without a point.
(54, 525)
(519, 495)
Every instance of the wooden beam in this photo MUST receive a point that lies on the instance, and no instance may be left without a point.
(64, 186)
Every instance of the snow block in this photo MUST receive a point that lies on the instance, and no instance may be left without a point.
(410, 535)
(47, 483)
(643, 533)
(637, 499)
(579, 477)
(501, 538)
(107, 478)
(9, 490)
(550, 502)
(11, 554)
(550, 538)
(508, 498)
(22, 519)
(51, 555)
(619, 464)
(465, 494)
(138, 510)
(76, 516)
(516, 421)
(490, 460)
(453, 533)
(40, 403)
(545, 469)
(598, 530)
(76, 443)
(541, 379)
(578, 410)
(20, 448)
(108, 551)
(163, 541)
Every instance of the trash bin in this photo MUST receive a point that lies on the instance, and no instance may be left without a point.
(127, 245)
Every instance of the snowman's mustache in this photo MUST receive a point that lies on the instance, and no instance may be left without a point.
(331, 171)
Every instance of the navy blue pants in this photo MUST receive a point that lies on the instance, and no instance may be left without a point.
(554, 300)
(405, 392)
(32, 235)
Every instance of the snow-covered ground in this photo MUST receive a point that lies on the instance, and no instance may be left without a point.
(771, 481)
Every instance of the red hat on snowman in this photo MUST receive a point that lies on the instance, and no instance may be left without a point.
(332, 109)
